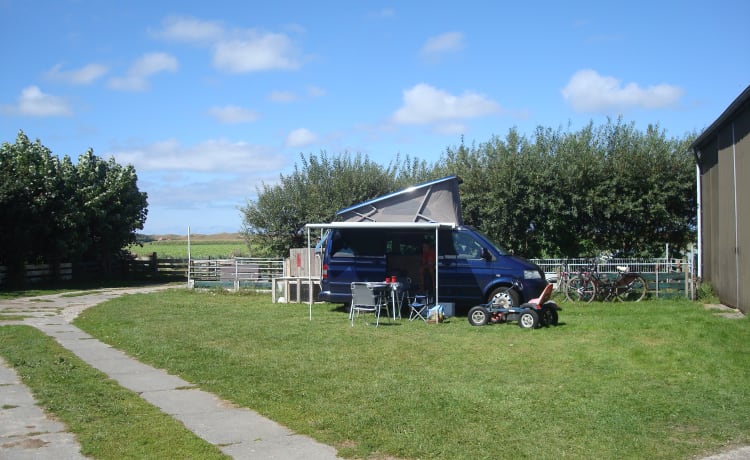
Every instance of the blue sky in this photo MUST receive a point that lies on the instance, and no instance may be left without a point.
(208, 100)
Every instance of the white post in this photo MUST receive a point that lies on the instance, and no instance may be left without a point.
(437, 269)
(700, 224)
(309, 275)
(189, 261)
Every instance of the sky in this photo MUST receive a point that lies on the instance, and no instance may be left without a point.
(211, 100)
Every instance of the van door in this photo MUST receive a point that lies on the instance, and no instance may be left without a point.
(463, 271)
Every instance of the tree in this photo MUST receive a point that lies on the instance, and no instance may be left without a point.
(112, 207)
(568, 194)
(608, 188)
(23, 194)
(53, 210)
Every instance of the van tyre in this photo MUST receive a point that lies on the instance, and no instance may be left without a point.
(504, 298)
(528, 319)
(478, 316)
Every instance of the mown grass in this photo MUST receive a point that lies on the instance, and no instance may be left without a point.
(658, 379)
(109, 421)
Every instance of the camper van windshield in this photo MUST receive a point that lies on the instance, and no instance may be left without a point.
(500, 250)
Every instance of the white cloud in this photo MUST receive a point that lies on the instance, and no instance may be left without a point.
(383, 13)
(191, 30)
(257, 52)
(235, 50)
(300, 137)
(587, 91)
(282, 96)
(143, 68)
(216, 155)
(425, 104)
(83, 76)
(446, 43)
(231, 114)
(186, 191)
(33, 102)
(315, 91)
(450, 129)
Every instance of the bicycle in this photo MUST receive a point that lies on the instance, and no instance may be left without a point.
(564, 277)
(590, 284)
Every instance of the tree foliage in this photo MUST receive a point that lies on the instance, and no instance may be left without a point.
(566, 194)
(558, 193)
(53, 210)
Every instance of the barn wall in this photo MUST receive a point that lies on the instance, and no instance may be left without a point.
(725, 215)
(742, 134)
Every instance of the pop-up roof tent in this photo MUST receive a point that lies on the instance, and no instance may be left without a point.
(434, 201)
(431, 205)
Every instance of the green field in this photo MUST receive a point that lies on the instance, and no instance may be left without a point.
(199, 249)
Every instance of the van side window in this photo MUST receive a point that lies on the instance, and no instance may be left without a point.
(466, 246)
(359, 243)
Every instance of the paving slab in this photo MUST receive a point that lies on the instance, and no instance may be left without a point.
(26, 432)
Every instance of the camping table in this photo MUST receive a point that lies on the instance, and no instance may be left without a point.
(394, 288)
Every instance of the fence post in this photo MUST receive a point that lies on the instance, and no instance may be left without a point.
(656, 272)
(154, 263)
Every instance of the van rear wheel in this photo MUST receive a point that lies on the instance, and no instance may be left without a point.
(504, 297)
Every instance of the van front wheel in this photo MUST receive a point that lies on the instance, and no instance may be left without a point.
(504, 297)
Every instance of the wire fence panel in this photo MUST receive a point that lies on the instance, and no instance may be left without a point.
(237, 272)
(665, 277)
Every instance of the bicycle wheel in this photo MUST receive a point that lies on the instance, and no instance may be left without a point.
(580, 289)
(634, 291)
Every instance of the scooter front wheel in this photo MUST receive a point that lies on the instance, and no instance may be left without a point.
(478, 316)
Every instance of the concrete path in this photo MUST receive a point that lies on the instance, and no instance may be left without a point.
(25, 431)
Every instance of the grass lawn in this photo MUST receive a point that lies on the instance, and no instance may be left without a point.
(109, 421)
(657, 379)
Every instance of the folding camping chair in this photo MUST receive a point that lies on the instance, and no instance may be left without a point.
(418, 308)
(368, 298)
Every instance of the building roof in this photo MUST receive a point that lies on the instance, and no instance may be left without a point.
(728, 114)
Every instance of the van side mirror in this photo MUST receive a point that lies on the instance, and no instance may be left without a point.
(486, 255)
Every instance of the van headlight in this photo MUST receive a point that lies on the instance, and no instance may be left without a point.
(532, 275)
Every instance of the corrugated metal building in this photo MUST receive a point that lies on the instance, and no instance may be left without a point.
(722, 153)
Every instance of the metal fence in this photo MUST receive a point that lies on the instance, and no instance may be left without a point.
(238, 272)
(665, 277)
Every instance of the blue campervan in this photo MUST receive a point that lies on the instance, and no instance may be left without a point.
(385, 237)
